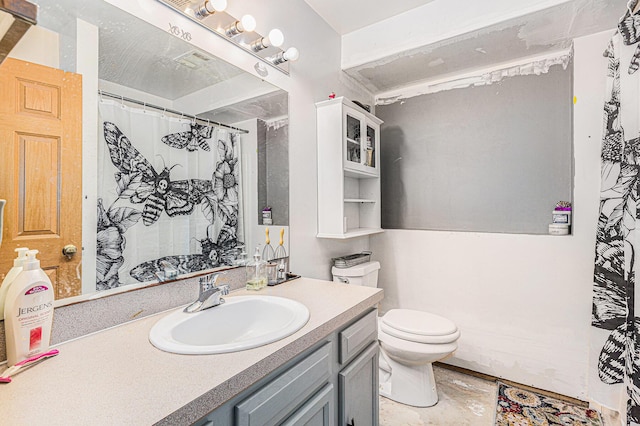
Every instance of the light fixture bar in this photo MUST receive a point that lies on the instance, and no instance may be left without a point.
(240, 32)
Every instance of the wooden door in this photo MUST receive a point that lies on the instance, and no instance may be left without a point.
(41, 168)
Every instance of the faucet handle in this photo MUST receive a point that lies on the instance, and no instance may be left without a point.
(224, 289)
(213, 278)
(208, 282)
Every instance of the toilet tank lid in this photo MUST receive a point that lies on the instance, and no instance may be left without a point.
(356, 271)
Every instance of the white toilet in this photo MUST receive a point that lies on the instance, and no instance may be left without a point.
(410, 341)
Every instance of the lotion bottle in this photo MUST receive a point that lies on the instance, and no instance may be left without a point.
(11, 275)
(28, 312)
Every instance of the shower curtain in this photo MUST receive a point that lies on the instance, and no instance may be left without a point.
(169, 196)
(615, 342)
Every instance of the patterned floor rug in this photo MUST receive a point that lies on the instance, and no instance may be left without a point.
(519, 407)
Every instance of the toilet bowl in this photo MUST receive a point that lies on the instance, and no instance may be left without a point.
(410, 341)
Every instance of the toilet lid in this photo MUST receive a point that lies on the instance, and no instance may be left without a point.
(418, 323)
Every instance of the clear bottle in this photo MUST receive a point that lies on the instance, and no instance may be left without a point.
(256, 272)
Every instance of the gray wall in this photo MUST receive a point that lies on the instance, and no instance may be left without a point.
(273, 170)
(493, 158)
(278, 171)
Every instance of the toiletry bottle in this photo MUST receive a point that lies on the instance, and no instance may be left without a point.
(256, 272)
(11, 276)
(28, 312)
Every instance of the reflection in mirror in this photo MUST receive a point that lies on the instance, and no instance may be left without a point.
(162, 193)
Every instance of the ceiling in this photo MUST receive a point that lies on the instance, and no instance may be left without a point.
(347, 16)
(551, 29)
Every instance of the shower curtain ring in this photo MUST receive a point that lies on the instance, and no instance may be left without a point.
(144, 107)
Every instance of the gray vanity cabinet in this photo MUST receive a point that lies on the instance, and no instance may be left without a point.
(333, 383)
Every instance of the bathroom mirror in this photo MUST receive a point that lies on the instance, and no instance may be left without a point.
(207, 184)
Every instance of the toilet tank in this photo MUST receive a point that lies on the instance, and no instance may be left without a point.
(365, 274)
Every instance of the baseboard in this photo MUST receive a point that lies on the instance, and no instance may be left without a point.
(512, 383)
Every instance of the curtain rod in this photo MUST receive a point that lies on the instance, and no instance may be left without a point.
(181, 114)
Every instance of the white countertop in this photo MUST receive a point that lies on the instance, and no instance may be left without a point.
(117, 377)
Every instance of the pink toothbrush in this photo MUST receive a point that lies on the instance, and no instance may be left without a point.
(29, 362)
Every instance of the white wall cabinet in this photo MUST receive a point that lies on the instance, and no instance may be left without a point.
(348, 170)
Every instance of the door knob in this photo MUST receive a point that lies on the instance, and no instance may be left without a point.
(69, 250)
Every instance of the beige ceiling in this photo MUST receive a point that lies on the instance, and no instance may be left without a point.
(346, 16)
(550, 28)
(535, 34)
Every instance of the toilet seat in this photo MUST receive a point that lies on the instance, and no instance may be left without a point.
(418, 327)
(414, 353)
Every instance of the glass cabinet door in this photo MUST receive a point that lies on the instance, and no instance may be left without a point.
(354, 147)
(361, 143)
(370, 147)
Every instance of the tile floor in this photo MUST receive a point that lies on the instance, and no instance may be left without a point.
(464, 400)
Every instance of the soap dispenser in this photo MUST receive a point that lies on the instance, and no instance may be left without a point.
(256, 272)
(11, 276)
(28, 312)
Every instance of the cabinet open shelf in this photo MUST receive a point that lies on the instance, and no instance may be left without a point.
(358, 200)
(352, 233)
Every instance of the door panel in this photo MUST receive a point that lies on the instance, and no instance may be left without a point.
(41, 168)
(358, 390)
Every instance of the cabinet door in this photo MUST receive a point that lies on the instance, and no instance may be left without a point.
(353, 140)
(275, 401)
(361, 142)
(371, 146)
(358, 390)
(318, 411)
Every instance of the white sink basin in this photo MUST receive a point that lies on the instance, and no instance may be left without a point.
(242, 322)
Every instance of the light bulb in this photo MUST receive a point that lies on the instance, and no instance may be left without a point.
(291, 54)
(275, 38)
(209, 7)
(218, 5)
(248, 23)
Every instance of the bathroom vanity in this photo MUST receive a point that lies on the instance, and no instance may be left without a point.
(325, 373)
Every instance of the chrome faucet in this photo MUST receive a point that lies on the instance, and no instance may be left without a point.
(210, 294)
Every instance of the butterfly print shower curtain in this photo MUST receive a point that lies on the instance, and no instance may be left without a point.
(615, 359)
(169, 195)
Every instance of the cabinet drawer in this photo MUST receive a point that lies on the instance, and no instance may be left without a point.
(358, 336)
(275, 401)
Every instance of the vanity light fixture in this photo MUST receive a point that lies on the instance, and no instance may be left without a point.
(291, 54)
(274, 38)
(246, 24)
(241, 32)
(209, 7)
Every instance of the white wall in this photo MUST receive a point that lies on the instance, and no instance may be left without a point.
(522, 302)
